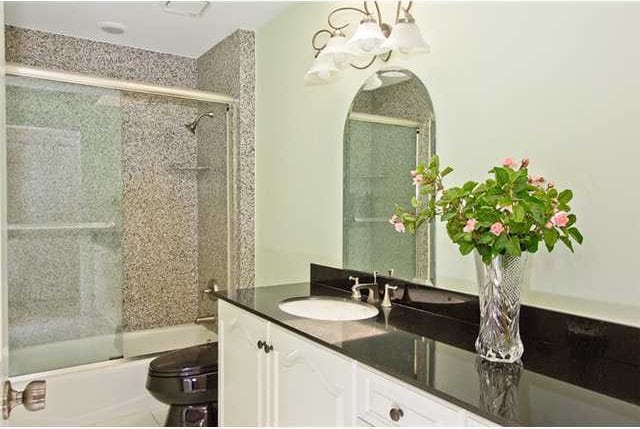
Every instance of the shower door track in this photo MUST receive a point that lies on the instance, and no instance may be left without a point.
(16, 69)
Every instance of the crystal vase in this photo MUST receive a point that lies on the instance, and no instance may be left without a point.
(499, 293)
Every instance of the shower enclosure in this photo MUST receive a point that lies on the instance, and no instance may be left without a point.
(117, 216)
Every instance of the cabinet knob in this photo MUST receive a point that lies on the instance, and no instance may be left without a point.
(261, 344)
(395, 414)
(267, 348)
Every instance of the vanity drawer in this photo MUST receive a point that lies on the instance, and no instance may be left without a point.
(384, 402)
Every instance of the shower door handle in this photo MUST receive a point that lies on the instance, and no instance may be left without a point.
(33, 397)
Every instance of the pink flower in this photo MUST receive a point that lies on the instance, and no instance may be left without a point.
(394, 219)
(550, 185)
(413, 173)
(399, 226)
(509, 162)
(560, 219)
(497, 228)
(525, 163)
(418, 179)
(536, 180)
(470, 226)
(548, 225)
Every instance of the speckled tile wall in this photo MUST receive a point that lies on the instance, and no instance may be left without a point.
(173, 238)
(55, 51)
(229, 67)
(160, 212)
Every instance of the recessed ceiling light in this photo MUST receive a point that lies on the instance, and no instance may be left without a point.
(112, 27)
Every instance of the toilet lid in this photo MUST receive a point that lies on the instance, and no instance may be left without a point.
(186, 362)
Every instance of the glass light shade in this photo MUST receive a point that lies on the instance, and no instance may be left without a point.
(322, 69)
(406, 38)
(367, 39)
(374, 82)
(337, 49)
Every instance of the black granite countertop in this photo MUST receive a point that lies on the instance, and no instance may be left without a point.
(433, 352)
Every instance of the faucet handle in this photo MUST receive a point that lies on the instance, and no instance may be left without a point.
(355, 293)
(386, 302)
(375, 276)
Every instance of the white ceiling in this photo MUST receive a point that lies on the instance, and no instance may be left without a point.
(148, 25)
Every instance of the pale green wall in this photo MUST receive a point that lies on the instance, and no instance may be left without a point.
(555, 82)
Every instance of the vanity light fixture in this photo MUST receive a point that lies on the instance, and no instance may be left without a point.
(372, 39)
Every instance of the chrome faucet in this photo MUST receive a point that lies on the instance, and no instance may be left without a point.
(374, 293)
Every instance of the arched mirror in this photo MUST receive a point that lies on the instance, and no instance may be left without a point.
(389, 128)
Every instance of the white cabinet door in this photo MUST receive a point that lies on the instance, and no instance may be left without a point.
(310, 385)
(242, 368)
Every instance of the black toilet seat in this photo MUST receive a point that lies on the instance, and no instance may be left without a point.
(187, 380)
(187, 362)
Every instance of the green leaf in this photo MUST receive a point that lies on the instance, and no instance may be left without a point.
(513, 246)
(466, 247)
(446, 171)
(487, 214)
(434, 162)
(575, 234)
(567, 242)
(502, 176)
(565, 196)
(537, 211)
(468, 187)
(501, 243)
(550, 238)
(415, 202)
(487, 238)
(518, 213)
(532, 245)
(448, 215)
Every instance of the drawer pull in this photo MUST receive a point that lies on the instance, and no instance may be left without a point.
(261, 344)
(395, 414)
(267, 348)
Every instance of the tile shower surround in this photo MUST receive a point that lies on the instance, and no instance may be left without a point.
(164, 273)
(229, 67)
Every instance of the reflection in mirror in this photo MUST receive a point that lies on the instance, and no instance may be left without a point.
(390, 125)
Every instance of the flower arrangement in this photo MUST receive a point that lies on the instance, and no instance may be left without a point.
(507, 214)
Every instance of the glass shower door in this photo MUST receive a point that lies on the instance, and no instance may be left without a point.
(377, 162)
(63, 234)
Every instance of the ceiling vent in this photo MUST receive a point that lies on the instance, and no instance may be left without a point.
(186, 8)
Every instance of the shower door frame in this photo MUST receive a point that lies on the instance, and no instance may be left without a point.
(21, 70)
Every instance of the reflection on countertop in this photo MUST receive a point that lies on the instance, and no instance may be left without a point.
(435, 353)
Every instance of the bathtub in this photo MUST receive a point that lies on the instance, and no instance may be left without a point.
(110, 393)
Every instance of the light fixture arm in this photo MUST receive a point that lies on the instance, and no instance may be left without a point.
(315, 36)
(364, 11)
(370, 18)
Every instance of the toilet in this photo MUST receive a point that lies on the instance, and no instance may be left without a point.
(187, 380)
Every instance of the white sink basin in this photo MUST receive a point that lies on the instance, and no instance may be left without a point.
(328, 308)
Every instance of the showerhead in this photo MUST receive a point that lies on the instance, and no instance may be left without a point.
(192, 126)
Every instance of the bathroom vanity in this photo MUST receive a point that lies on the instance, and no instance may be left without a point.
(277, 369)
